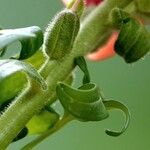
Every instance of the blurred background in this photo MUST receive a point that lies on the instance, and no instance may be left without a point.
(129, 84)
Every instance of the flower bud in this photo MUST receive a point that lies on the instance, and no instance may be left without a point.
(133, 40)
(60, 34)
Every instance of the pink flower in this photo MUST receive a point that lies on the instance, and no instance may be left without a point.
(107, 50)
(88, 2)
(94, 2)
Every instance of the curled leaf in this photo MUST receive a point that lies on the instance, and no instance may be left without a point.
(80, 61)
(60, 34)
(83, 103)
(133, 40)
(10, 67)
(111, 104)
(31, 39)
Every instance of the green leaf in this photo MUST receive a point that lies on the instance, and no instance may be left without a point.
(37, 60)
(84, 103)
(60, 34)
(31, 39)
(134, 40)
(111, 104)
(42, 122)
(10, 67)
(80, 61)
(6, 93)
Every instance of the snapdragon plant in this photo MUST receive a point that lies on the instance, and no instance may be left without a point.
(42, 73)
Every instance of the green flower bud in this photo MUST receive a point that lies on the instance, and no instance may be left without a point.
(60, 34)
(133, 40)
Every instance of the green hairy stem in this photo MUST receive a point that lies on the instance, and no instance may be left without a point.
(33, 98)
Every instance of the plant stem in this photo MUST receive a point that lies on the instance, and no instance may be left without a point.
(61, 123)
(33, 98)
(31, 101)
(96, 26)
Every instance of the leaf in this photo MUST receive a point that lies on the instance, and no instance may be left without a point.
(10, 67)
(111, 104)
(80, 61)
(9, 93)
(42, 122)
(84, 103)
(31, 39)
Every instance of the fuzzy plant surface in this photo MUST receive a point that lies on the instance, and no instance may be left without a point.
(43, 70)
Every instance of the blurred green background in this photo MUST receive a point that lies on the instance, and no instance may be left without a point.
(129, 84)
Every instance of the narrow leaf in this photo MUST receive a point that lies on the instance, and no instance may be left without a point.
(31, 39)
(111, 104)
(80, 61)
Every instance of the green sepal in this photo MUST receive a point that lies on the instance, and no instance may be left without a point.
(31, 39)
(60, 34)
(80, 61)
(80, 7)
(21, 134)
(42, 122)
(84, 103)
(110, 105)
(10, 67)
(143, 5)
(133, 40)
